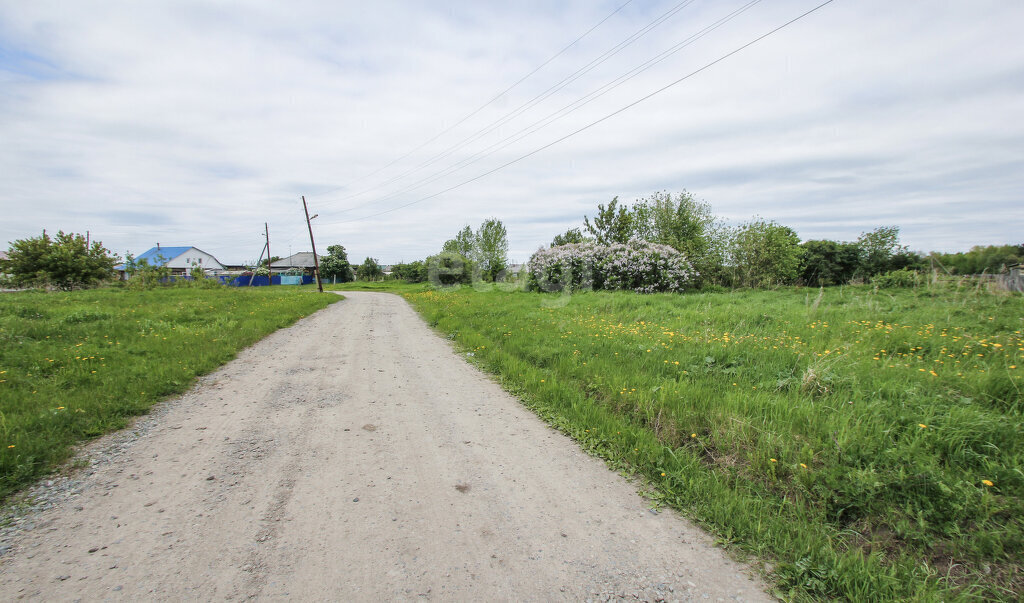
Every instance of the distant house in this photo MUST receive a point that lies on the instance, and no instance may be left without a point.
(180, 260)
(301, 261)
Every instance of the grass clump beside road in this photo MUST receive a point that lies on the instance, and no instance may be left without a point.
(80, 364)
(867, 443)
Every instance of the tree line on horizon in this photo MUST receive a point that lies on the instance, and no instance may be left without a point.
(756, 253)
(763, 253)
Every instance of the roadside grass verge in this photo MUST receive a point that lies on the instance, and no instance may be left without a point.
(77, 365)
(866, 444)
(391, 286)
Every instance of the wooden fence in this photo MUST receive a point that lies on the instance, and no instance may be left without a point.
(1010, 281)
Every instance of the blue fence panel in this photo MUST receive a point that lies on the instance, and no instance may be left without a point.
(250, 280)
(262, 281)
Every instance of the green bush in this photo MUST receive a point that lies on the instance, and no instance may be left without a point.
(370, 270)
(449, 268)
(897, 278)
(66, 261)
(143, 275)
(412, 272)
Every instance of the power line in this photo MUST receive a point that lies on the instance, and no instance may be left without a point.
(594, 123)
(562, 112)
(534, 101)
(485, 105)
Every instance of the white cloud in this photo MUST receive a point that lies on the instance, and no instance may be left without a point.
(193, 123)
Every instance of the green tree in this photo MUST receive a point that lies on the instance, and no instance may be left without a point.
(687, 225)
(764, 254)
(877, 250)
(27, 261)
(491, 248)
(65, 261)
(569, 237)
(613, 224)
(335, 265)
(463, 244)
(825, 262)
(990, 259)
(370, 270)
(905, 259)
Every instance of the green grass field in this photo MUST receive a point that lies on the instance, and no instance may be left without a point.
(866, 444)
(77, 365)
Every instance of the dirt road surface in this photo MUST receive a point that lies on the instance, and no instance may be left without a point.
(355, 456)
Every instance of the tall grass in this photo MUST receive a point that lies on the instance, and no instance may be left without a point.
(80, 364)
(867, 443)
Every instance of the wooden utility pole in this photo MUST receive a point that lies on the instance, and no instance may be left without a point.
(257, 267)
(316, 262)
(270, 270)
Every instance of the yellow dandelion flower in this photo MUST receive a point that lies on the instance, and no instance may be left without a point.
(773, 460)
(987, 482)
(922, 426)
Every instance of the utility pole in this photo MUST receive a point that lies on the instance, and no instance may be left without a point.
(257, 267)
(270, 269)
(316, 262)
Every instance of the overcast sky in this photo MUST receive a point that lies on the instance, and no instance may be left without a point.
(193, 123)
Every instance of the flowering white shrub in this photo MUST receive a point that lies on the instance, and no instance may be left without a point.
(638, 265)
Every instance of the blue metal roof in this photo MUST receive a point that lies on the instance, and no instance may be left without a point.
(158, 256)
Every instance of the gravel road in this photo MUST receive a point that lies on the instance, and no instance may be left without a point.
(353, 456)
